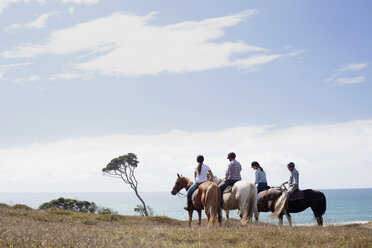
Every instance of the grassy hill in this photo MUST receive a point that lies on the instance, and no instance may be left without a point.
(21, 226)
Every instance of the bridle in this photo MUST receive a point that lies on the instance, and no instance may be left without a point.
(177, 186)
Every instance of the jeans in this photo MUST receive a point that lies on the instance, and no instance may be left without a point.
(261, 187)
(190, 191)
(295, 188)
(225, 185)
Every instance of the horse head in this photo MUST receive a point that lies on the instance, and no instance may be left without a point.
(181, 182)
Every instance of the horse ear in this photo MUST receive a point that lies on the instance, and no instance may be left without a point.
(178, 175)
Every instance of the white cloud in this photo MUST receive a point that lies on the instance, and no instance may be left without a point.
(5, 68)
(353, 80)
(353, 67)
(327, 156)
(71, 75)
(81, 1)
(5, 3)
(338, 77)
(128, 45)
(31, 78)
(38, 23)
(71, 10)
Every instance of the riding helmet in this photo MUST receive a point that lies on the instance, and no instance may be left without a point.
(291, 164)
(231, 155)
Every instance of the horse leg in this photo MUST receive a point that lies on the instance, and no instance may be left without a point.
(190, 217)
(280, 219)
(319, 219)
(219, 216)
(289, 218)
(244, 215)
(256, 213)
(227, 216)
(199, 216)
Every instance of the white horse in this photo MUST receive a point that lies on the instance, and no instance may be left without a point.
(243, 196)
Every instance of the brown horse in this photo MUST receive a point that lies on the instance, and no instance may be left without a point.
(207, 197)
(275, 201)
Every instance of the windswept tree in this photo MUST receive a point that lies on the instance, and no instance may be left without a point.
(123, 167)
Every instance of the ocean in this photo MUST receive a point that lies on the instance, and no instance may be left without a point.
(344, 206)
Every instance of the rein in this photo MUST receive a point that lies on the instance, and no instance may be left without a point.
(182, 195)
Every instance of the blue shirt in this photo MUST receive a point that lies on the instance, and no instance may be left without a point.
(293, 178)
(260, 176)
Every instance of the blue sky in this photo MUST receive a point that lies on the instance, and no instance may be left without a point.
(86, 71)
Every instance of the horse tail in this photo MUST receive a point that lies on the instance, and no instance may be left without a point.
(280, 204)
(252, 198)
(212, 203)
(251, 203)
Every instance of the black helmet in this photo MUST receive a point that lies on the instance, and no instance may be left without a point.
(200, 159)
(231, 155)
(291, 164)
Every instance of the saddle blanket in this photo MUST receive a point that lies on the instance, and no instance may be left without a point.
(297, 195)
(227, 190)
(259, 195)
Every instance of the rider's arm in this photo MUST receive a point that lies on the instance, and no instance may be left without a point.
(228, 171)
(210, 175)
(285, 182)
(195, 175)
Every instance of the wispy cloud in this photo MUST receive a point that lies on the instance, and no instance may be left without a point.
(38, 23)
(352, 67)
(5, 68)
(134, 47)
(91, 2)
(338, 77)
(5, 3)
(31, 78)
(71, 75)
(75, 164)
(353, 80)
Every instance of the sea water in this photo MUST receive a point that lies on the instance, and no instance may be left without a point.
(343, 205)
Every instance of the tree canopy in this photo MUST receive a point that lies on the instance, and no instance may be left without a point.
(123, 167)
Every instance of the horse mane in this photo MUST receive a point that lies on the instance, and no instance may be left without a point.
(280, 204)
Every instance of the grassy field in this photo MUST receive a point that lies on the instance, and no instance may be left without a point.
(21, 226)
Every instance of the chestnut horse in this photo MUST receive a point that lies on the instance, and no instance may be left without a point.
(207, 197)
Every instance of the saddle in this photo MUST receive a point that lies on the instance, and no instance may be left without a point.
(228, 188)
(260, 195)
(297, 195)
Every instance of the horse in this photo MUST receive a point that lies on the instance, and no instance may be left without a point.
(275, 200)
(243, 196)
(207, 197)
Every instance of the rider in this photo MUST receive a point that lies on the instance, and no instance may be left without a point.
(260, 177)
(201, 175)
(293, 179)
(232, 173)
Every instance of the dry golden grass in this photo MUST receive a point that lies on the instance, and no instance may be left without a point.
(21, 227)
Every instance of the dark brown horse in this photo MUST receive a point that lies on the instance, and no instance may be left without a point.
(207, 197)
(275, 201)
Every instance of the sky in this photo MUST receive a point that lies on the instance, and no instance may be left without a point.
(85, 81)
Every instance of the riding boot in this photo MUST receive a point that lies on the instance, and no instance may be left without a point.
(189, 205)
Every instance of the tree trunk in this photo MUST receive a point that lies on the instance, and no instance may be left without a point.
(143, 202)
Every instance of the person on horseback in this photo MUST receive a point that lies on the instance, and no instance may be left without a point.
(293, 184)
(260, 177)
(201, 175)
(232, 174)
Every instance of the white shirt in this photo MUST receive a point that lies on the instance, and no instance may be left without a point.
(203, 176)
